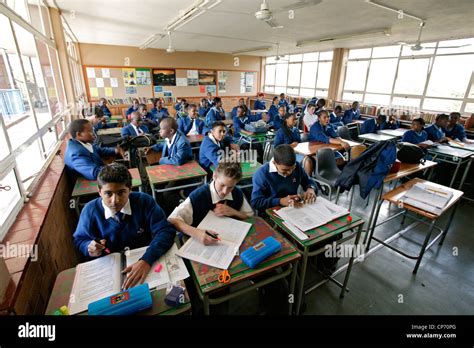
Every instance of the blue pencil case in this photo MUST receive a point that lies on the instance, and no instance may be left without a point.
(123, 303)
(260, 251)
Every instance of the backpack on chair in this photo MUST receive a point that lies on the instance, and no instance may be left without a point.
(410, 153)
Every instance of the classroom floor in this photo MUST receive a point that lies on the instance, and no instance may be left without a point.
(384, 284)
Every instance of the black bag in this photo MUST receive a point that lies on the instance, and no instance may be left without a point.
(143, 140)
(108, 140)
(410, 153)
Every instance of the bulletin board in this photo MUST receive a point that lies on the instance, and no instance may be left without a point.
(236, 83)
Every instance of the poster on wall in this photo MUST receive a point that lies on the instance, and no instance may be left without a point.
(193, 77)
(158, 89)
(181, 81)
(143, 77)
(248, 82)
(113, 82)
(94, 92)
(242, 82)
(106, 72)
(129, 77)
(222, 86)
(90, 73)
(109, 92)
(130, 90)
(164, 77)
(99, 82)
(207, 77)
(211, 89)
(202, 89)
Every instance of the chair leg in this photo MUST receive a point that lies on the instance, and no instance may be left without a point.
(337, 194)
(352, 197)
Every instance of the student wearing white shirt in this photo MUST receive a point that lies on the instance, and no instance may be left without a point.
(135, 127)
(310, 117)
(190, 123)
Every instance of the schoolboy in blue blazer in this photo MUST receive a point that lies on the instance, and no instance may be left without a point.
(133, 107)
(216, 113)
(435, 131)
(190, 123)
(351, 114)
(135, 127)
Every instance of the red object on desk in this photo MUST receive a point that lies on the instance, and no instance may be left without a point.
(395, 167)
(349, 218)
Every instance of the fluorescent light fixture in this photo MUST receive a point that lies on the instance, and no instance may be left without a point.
(189, 20)
(384, 31)
(191, 13)
(256, 49)
(400, 12)
(147, 43)
(214, 4)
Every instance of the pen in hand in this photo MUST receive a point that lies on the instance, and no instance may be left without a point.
(97, 240)
(213, 236)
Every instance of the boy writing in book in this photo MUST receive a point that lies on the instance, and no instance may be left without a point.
(120, 218)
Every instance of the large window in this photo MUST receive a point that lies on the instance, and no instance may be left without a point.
(304, 74)
(436, 78)
(32, 102)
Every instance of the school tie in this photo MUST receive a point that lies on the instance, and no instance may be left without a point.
(118, 217)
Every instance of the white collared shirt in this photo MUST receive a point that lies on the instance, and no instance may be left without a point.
(184, 211)
(88, 146)
(168, 142)
(193, 130)
(272, 167)
(137, 129)
(309, 119)
(214, 140)
(127, 209)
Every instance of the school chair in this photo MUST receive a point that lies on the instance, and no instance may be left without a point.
(228, 115)
(326, 171)
(304, 137)
(344, 133)
(356, 151)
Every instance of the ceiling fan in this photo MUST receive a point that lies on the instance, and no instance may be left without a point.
(171, 49)
(417, 45)
(266, 15)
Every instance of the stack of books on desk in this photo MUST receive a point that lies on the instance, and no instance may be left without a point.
(428, 197)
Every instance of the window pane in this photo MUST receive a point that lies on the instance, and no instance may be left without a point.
(356, 74)
(293, 91)
(294, 74)
(469, 107)
(35, 15)
(296, 58)
(468, 46)
(324, 74)
(3, 143)
(19, 6)
(270, 60)
(471, 93)
(306, 92)
(49, 140)
(383, 99)
(444, 105)
(350, 96)
(450, 76)
(386, 51)
(407, 51)
(322, 93)
(269, 89)
(10, 198)
(360, 53)
(381, 75)
(48, 77)
(281, 74)
(29, 163)
(308, 75)
(411, 76)
(310, 57)
(326, 55)
(270, 74)
(46, 21)
(279, 90)
(413, 102)
(58, 81)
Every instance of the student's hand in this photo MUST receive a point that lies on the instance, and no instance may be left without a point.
(345, 145)
(207, 240)
(424, 146)
(119, 151)
(95, 249)
(392, 119)
(294, 144)
(291, 200)
(136, 274)
(309, 196)
(224, 210)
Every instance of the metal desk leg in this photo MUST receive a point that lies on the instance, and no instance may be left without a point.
(153, 190)
(292, 285)
(465, 174)
(455, 172)
(206, 305)
(448, 224)
(351, 261)
(301, 280)
(425, 243)
(370, 231)
(372, 213)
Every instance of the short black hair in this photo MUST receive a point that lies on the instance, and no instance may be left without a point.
(382, 118)
(323, 111)
(282, 94)
(338, 107)
(115, 173)
(419, 120)
(99, 112)
(141, 106)
(77, 126)
(455, 114)
(190, 106)
(275, 98)
(441, 117)
(311, 105)
(321, 102)
(217, 100)
(293, 102)
(170, 121)
(355, 102)
(218, 124)
(284, 155)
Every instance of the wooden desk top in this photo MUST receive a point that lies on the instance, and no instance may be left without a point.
(195, 138)
(310, 148)
(395, 195)
(206, 276)
(318, 234)
(376, 137)
(248, 170)
(447, 150)
(63, 286)
(164, 173)
(85, 187)
(109, 131)
(408, 169)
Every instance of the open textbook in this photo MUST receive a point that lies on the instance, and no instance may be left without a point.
(103, 277)
(428, 197)
(313, 215)
(220, 255)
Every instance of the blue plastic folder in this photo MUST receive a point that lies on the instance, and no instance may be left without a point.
(123, 303)
(259, 252)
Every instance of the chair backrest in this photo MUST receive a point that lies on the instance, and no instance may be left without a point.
(300, 124)
(344, 133)
(357, 150)
(326, 163)
(228, 115)
(304, 137)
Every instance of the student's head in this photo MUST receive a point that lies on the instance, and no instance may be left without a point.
(282, 95)
(115, 183)
(192, 111)
(293, 102)
(260, 96)
(241, 101)
(290, 120)
(168, 127)
(442, 120)
(282, 111)
(142, 109)
(338, 110)
(136, 118)
(324, 117)
(135, 102)
(275, 100)
(226, 176)
(454, 118)
(102, 101)
(321, 103)
(183, 101)
(355, 105)
(218, 130)
(217, 102)
(381, 119)
(284, 159)
(241, 111)
(159, 103)
(81, 129)
(311, 108)
(417, 124)
(204, 102)
(209, 95)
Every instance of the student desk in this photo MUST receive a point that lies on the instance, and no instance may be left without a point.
(427, 218)
(110, 131)
(312, 147)
(228, 122)
(205, 277)
(405, 170)
(63, 287)
(463, 146)
(84, 187)
(257, 111)
(449, 154)
(374, 137)
(164, 173)
(318, 235)
(398, 133)
(256, 138)
(196, 140)
(248, 171)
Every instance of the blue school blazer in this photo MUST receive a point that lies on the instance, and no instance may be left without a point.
(178, 154)
(350, 115)
(185, 125)
(128, 131)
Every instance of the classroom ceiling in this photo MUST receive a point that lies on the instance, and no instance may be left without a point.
(231, 26)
